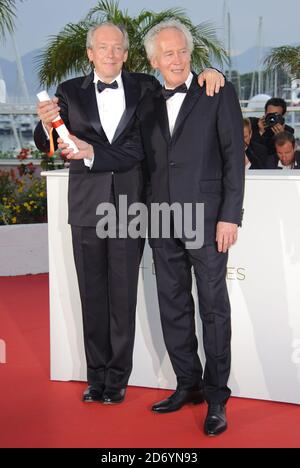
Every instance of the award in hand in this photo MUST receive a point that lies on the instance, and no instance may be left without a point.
(58, 124)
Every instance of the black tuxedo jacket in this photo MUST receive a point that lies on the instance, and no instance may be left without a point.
(203, 161)
(88, 188)
(257, 155)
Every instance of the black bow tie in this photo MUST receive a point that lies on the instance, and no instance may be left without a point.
(102, 86)
(168, 93)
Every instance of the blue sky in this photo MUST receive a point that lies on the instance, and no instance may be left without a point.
(39, 19)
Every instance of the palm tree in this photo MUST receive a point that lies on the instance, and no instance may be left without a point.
(286, 58)
(65, 53)
(7, 16)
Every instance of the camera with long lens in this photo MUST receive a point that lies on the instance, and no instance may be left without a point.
(274, 119)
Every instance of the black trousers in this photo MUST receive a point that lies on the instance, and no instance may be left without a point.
(173, 264)
(107, 271)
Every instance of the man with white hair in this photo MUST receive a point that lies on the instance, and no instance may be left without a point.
(100, 110)
(195, 154)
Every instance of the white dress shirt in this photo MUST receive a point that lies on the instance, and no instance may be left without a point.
(286, 168)
(174, 104)
(111, 106)
(248, 165)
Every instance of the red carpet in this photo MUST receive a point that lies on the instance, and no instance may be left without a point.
(35, 412)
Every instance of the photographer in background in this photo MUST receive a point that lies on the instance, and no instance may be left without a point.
(256, 155)
(271, 124)
(287, 157)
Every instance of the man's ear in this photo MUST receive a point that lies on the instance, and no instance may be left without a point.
(125, 56)
(89, 54)
(154, 63)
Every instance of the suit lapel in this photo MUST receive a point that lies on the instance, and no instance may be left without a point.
(132, 92)
(89, 101)
(192, 97)
(162, 116)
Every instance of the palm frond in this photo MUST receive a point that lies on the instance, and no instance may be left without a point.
(106, 10)
(7, 16)
(286, 58)
(208, 48)
(65, 53)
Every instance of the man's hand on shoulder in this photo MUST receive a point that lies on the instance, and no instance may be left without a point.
(214, 81)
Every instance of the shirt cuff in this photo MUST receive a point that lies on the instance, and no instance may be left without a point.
(89, 162)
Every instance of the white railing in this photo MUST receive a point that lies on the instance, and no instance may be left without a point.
(17, 122)
(17, 109)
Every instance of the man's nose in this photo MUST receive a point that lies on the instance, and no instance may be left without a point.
(177, 58)
(110, 52)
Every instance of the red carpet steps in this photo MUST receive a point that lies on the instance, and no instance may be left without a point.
(35, 412)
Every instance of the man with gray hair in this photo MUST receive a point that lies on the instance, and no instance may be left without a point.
(195, 154)
(100, 110)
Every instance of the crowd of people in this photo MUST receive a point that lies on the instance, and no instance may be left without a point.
(269, 142)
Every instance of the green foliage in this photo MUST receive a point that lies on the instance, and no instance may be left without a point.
(47, 163)
(65, 53)
(243, 83)
(286, 58)
(7, 184)
(23, 199)
(7, 16)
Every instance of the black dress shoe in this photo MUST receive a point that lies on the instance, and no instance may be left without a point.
(92, 394)
(113, 397)
(178, 400)
(215, 422)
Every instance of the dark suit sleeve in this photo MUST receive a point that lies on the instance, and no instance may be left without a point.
(153, 84)
(230, 132)
(40, 137)
(120, 156)
(147, 82)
